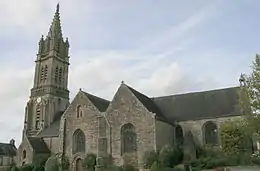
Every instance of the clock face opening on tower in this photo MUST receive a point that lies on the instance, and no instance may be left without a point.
(39, 99)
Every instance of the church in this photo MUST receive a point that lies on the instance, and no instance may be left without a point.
(125, 127)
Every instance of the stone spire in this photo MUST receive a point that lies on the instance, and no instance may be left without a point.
(55, 29)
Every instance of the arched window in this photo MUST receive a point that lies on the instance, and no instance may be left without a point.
(128, 139)
(179, 135)
(78, 141)
(56, 75)
(79, 112)
(210, 132)
(24, 154)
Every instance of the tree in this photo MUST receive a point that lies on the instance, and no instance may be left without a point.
(249, 97)
(233, 137)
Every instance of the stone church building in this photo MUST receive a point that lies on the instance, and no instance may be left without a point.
(125, 127)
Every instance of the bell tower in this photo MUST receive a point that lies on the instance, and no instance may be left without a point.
(50, 94)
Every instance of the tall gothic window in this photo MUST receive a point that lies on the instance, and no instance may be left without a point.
(102, 127)
(38, 116)
(24, 154)
(60, 75)
(42, 74)
(128, 139)
(79, 111)
(56, 75)
(45, 72)
(210, 132)
(78, 141)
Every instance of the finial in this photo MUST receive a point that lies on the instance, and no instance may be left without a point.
(122, 82)
(58, 8)
(80, 89)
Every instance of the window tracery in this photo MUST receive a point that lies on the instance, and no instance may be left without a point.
(128, 139)
(78, 141)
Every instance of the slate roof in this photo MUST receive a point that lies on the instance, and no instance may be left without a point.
(51, 131)
(100, 103)
(7, 149)
(148, 104)
(54, 128)
(38, 145)
(200, 105)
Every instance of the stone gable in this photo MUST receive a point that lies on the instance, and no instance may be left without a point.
(88, 123)
(24, 146)
(126, 108)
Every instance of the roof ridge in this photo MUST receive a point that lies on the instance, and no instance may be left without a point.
(100, 103)
(89, 94)
(197, 92)
(148, 103)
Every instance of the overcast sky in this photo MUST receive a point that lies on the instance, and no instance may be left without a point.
(158, 47)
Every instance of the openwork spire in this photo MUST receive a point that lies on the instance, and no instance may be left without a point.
(55, 29)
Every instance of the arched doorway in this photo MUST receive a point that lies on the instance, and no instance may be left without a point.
(79, 166)
(179, 136)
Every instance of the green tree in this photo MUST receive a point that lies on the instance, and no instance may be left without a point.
(249, 97)
(233, 137)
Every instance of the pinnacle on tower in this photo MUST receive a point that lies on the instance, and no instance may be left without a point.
(55, 29)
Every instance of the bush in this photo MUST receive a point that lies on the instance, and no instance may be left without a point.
(26, 167)
(208, 163)
(89, 162)
(40, 160)
(38, 168)
(65, 163)
(149, 158)
(233, 137)
(179, 167)
(166, 156)
(52, 164)
(169, 156)
(129, 168)
(14, 168)
(155, 167)
(113, 167)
